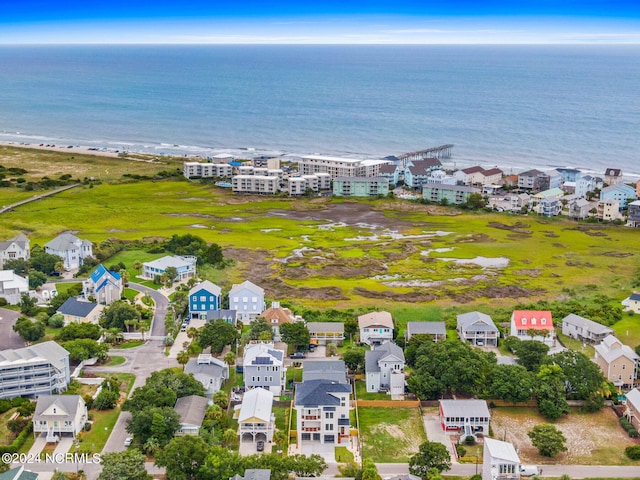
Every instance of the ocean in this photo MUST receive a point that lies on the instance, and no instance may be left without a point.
(515, 107)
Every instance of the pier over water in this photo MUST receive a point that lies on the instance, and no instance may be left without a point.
(443, 151)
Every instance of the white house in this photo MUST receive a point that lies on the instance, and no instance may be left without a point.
(16, 248)
(500, 461)
(375, 327)
(209, 371)
(256, 420)
(263, 367)
(322, 412)
(247, 299)
(384, 367)
(103, 285)
(583, 329)
(436, 330)
(12, 286)
(185, 267)
(57, 415)
(478, 329)
(524, 322)
(70, 248)
(469, 417)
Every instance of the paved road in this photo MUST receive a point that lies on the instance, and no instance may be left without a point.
(8, 338)
(162, 306)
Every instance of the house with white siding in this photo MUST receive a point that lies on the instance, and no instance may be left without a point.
(247, 299)
(70, 248)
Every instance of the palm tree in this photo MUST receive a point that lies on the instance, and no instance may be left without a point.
(125, 277)
(137, 266)
(59, 267)
(230, 358)
(183, 358)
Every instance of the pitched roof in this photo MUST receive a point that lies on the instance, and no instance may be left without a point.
(375, 318)
(68, 404)
(611, 349)
(18, 473)
(388, 168)
(428, 328)
(536, 319)
(330, 370)
(613, 172)
(49, 351)
(480, 322)
(208, 286)
(322, 327)
(21, 240)
(65, 241)
(102, 270)
(633, 397)
(635, 296)
(167, 261)
(501, 450)
(277, 315)
(77, 308)
(314, 393)
(206, 367)
(262, 354)
(475, 169)
(492, 171)
(373, 357)
(191, 409)
(464, 408)
(221, 314)
(256, 403)
(257, 474)
(530, 173)
(249, 286)
(578, 321)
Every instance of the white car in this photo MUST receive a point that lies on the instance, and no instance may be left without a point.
(529, 470)
(128, 441)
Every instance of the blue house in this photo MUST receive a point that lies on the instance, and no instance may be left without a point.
(620, 192)
(105, 286)
(204, 297)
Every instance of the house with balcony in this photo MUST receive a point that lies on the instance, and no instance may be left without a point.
(322, 333)
(533, 181)
(533, 325)
(203, 297)
(436, 330)
(632, 303)
(70, 248)
(390, 171)
(375, 328)
(450, 194)
(586, 184)
(322, 412)
(469, 417)
(548, 202)
(500, 461)
(478, 329)
(608, 210)
(518, 202)
(417, 172)
(209, 371)
(247, 299)
(13, 286)
(103, 285)
(75, 310)
(384, 369)
(256, 420)
(277, 316)
(40, 369)
(263, 367)
(16, 248)
(585, 330)
(191, 410)
(579, 209)
(623, 193)
(185, 267)
(613, 176)
(617, 361)
(59, 415)
(633, 214)
(632, 407)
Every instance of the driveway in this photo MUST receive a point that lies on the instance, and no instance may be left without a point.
(8, 338)
(436, 434)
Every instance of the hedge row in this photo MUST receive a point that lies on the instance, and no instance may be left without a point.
(18, 442)
(629, 428)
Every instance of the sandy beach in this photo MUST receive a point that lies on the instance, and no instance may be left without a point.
(64, 148)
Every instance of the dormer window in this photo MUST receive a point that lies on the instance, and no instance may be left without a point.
(543, 321)
(533, 321)
(524, 321)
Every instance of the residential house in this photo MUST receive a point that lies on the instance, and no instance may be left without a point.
(613, 176)
(469, 417)
(191, 410)
(56, 415)
(75, 310)
(13, 286)
(16, 248)
(491, 176)
(555, 179)
(620, 192)
(228, 316)
(185, 267)
(70, 248)
(375, 327)
(440, 176)
(277, 316)
(585, 184)
(525, 322)
(390, 171)
(633, 302)
(18, 473)
(263, 367)
(632, 407)
(322, 412)
(330, 370)
(548, 202)
(253, 474)
(518, 202)
(360, 186)
(204, 297)
(450, 194)
(417, 171)
(583, 329)
(40, 369)
(436, 330)
(633, 214)
(321, 333)
(478, 329)
(247, 300)
(209, 371)
(256, 420)
(105, 286)
(533, 181)
(579, 209)
(384, 368)
(618, 362)
(478, 176)
(500, 461)
(569, 174)
(609, 210)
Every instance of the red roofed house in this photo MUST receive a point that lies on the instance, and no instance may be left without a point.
(523, 321)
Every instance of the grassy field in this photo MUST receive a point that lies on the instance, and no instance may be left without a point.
(390, 435)
(6, 437)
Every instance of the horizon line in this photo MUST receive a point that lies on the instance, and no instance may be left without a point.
(592, 43)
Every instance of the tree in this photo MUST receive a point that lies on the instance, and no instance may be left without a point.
(36, 279)
(230, 358)
(125, 465)
(106, 399)
(475, 201)
(44, 262)
(222, 463)
(183, 358)
(550, 392)
(59, 267)
(217, 335)
(213, 254)
(85, 348)
(29, 331)
(531, 354)
(354, 358)
(430, 455)
(118, 313)
(547, 439)
(258, 327)
(156, 422)
(18, 265)
(171, 273)
(306, 466)
(74, 331)
(511, 383)
(137, 266)
(56, 320)
(183, 457)
(369, 470)
(296, 334)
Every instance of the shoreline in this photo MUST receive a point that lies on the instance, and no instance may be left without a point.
(198, 153)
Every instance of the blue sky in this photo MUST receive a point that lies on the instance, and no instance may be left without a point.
(329, 21)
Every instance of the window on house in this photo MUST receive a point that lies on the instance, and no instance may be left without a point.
(524, 321)
(328, 426)
(543, 321)
(533, 321)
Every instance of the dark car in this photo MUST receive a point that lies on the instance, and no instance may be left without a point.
(260, 445)
(297, 355)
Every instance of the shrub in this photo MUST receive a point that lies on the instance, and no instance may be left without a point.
(633, 452)
(628, 427)
(461, 451)
(470, 440)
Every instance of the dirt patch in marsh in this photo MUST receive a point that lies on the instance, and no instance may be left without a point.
(616, 254)
(414, 296)
(507, 291)
(518, 227)
(476, 238)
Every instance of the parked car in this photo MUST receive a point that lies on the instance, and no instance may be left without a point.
(529, 470)
(128, 441)
(297, 355)
(260, 446)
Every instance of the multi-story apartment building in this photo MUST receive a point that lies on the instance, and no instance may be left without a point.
(41, 369)
(262, 184)
(340, 167)
(533, 181)
(206, 170)
(452, 194)
(299, 185)
(360, 186)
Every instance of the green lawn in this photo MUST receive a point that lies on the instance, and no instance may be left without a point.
(114, 361)
(131, 344)
(362, 394)
(628, 330)
(390, 435)
(6, 437)
(64, 287)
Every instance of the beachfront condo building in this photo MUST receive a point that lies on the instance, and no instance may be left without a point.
(360, 186)
(452, 194)
(298, 186)
(255, 184)
(340, 167)
(206, 170)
